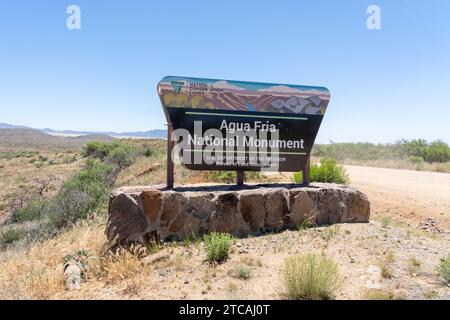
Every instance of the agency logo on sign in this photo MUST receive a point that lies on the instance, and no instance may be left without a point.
(177, 86)
(242, 126)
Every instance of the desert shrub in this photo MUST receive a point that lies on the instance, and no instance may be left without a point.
(416, 160)
(122, 156)
(68, 159)
(442, 167)
(437, 151)
(35, 210)
(148, 152)
(116, 153)
(357, 151)
(217, 246)
(81, 195)
(386, 221)
(327, 171)
(98, 149)
(444, 268)
(310, 276)
(241, 272)
(10, 234)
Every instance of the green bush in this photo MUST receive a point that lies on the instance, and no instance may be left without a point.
(437, 151)
(416, 160)
(98, 149)
(328, 171)
(81, 195)
(35, 210)
(148, 152)
(444, 268)
(241, 272)
(122, 156)
(10, 235)
(217, 246)
(116, 153)
(311, 277)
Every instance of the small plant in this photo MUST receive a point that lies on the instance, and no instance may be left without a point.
(414, 265)
(331, 232)
(385, 270)
(444, 268)
(148, 152)
(305, 224)
(385, 221)
(241, 272)
(385, 265)
(121, 265)
(327, 171)
(153, 247)
(10, 235)
(217, 246)
(310, 276)
(79, 258)
(252, 262)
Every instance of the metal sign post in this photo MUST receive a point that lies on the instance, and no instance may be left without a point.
(170, 166)
(240, 177)
(306, 175)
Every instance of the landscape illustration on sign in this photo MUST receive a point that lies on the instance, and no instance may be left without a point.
(242, 96)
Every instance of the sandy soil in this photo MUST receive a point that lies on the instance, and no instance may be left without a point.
(411, 195)
(185, 274)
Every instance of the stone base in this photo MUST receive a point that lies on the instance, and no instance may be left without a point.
(138, 214)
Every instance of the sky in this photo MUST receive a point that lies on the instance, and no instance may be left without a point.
(385, 84)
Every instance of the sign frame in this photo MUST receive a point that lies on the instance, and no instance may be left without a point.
(310, 102)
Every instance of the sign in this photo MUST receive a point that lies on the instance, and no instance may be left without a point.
(242, 126)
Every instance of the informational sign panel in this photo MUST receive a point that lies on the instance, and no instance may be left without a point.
(242, 126)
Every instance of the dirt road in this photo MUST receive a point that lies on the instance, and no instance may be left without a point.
(414, 195)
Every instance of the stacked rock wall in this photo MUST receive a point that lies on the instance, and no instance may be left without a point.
(137, 214)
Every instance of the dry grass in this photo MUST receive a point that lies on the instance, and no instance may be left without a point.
(310, 277)
(119, 266)
(378, 294)
(38, 273)
(21, 177)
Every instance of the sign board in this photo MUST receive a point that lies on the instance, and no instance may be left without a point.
(242, 126)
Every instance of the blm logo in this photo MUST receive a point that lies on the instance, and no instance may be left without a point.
(177, 85)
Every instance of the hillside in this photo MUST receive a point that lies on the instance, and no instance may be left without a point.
(150, 134)
(35, 139)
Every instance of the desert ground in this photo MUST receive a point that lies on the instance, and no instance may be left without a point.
(406, 194)
(394, 256)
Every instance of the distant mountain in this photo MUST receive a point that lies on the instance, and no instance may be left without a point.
(136, 134)
(151, 134)
(11, 126)
(36, 139)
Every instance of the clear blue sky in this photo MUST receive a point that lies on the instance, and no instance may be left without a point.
(385, 84)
